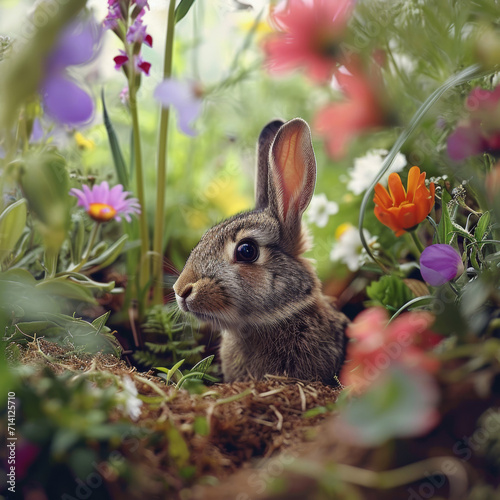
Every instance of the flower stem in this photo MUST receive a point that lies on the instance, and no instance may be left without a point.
(418, 243)
(88, 249)
(162, 166)
(139, 181)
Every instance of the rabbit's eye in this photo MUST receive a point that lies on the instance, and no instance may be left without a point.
(247, 251)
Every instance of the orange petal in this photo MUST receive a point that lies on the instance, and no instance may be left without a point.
(396, 189)
(382, 198)
(387, 218)
(413, 183)
(408, 216)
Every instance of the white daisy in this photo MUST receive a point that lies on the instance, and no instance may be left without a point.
(131, 403)
(367, 167)
(349, 248)
(320, 210)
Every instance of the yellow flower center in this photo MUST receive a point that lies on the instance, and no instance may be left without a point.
(342, 229)
(101, 212)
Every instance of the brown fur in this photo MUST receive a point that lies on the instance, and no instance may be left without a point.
(273, 316)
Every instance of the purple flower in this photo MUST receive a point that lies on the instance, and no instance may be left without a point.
(63, 99)
(104, 204)
(142, 4)
(480, 132)
(121, 59)
(139, 63)
(137, 33)
(185, 96)
(114, 15)
(440, 263)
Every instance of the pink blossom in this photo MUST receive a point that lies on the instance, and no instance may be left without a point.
(480, 131)
(121, 59)
(104, 204)
(137, 33)
(308, 35)
(375, 345)
(340, 122)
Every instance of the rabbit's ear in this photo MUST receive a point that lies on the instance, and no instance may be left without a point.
(292, 173)
(266, 138)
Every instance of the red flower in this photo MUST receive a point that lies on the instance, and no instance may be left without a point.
(375, 345)
(341, 122)
(308, 35)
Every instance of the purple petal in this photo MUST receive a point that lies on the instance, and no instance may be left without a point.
(181, 95)
(36, 131)
(66, 102)
(439, 264)
(465, 141)
(82, 198)
(88, 194)
(77, 44)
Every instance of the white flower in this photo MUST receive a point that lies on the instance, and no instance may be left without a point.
(367, 167)
(320, 210)
(131, 403)
(349, 248)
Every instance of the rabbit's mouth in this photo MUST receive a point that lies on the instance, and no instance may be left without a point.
(183, 304)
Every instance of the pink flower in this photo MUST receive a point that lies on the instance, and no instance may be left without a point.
(140, 64)
(308, 35)
(137, 33)
(480, 132)
(185, 96)
(341, 122)
(114, 15)
(121, 59)
(375, 345)
(104, 204)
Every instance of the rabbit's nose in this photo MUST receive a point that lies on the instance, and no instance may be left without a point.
(186, 291)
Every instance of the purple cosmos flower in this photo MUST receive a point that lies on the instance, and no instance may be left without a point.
(185, 96)
(63, 99)
(480, 132)
(440, 263)
(104, 204)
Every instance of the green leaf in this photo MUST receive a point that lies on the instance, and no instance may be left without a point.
(391, 405)
(64, 288)
(177, 447)
(45, 183)
(78, 238)
(203, 365)
(457, 228)
(199, 376)
(85, 281)
(109, 256)
(174, 369)
(445, 230)
(100, 322)
(200, 426)
(390, 292)
(482, 226)
(12, 222)
(182, 9)
(116, 152)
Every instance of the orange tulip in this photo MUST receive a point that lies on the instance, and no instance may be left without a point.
(403, 210)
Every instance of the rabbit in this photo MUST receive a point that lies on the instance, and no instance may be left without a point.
(247, 275)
